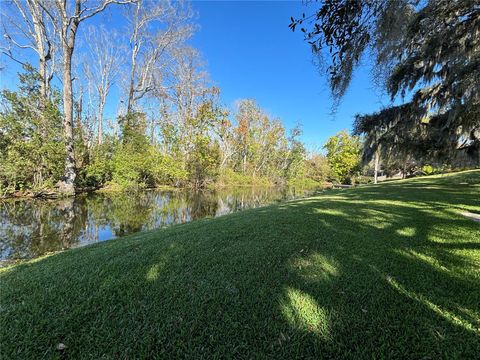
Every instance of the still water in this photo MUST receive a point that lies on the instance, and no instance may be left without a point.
(30, 228)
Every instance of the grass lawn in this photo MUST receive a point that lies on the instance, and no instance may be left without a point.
(386, 271)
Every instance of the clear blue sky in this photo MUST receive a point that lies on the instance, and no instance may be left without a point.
(251, 53)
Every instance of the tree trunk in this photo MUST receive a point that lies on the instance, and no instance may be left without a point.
(152, 131)
(42, 70)
(100, 120)
(40, 37)
(67, 186)
(244, 159)
(130, 97)
(375, 176)
(131, 89)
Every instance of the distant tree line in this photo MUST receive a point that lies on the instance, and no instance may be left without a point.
(210, 148)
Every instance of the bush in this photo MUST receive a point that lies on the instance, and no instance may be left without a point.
(304, 183)
(229, 177)
(129, 167)
(361, 179)
(166, 170)
(428, 170)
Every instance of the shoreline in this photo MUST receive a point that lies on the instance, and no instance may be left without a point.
(55, 195)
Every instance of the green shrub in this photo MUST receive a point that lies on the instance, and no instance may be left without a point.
(304, 183)
(428, 170)
(229, 177)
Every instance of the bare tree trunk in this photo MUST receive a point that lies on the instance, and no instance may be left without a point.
(42, 70)
(68, 184)
(101, 105)
(133, 59)
(132, 83)
(153, 126)
(244, 160)
(79, 111)
(375, 176)
(42, 43)
(41, 39)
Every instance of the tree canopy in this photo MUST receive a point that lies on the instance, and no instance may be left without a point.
(426, 51)
(343, 155)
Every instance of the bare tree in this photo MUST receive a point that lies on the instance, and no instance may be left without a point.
(91, 108)
(150, 47)
(186, 86)
(106, 54)
(67, 19)
(186, 83)
(30, 28)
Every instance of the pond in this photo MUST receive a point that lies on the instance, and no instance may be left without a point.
(30, 228)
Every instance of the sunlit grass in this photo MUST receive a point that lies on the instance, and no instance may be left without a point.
(406, 231)
(152, 274)
(386, 271)
(303, 313)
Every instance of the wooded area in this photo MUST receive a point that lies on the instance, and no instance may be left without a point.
(170, 127)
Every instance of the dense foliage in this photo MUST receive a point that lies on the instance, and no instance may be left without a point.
(31, 149)
(343, 154)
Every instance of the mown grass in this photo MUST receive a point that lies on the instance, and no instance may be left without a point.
(387, 271)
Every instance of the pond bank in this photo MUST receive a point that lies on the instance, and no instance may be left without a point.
(332, 276)
(54, 194)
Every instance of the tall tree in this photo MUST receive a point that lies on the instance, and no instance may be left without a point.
(186, 87)
(67, 19)
(247, 113)
(106, 55)
(429, 50)
(344, 155)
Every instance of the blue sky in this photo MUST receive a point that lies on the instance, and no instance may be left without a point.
(251, 53)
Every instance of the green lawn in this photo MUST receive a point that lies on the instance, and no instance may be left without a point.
(387, 271)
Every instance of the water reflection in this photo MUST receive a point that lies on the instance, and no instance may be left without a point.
(29, 228)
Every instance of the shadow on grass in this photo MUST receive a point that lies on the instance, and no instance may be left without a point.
(387, 272)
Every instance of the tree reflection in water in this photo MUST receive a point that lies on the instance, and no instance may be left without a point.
(30, 228)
